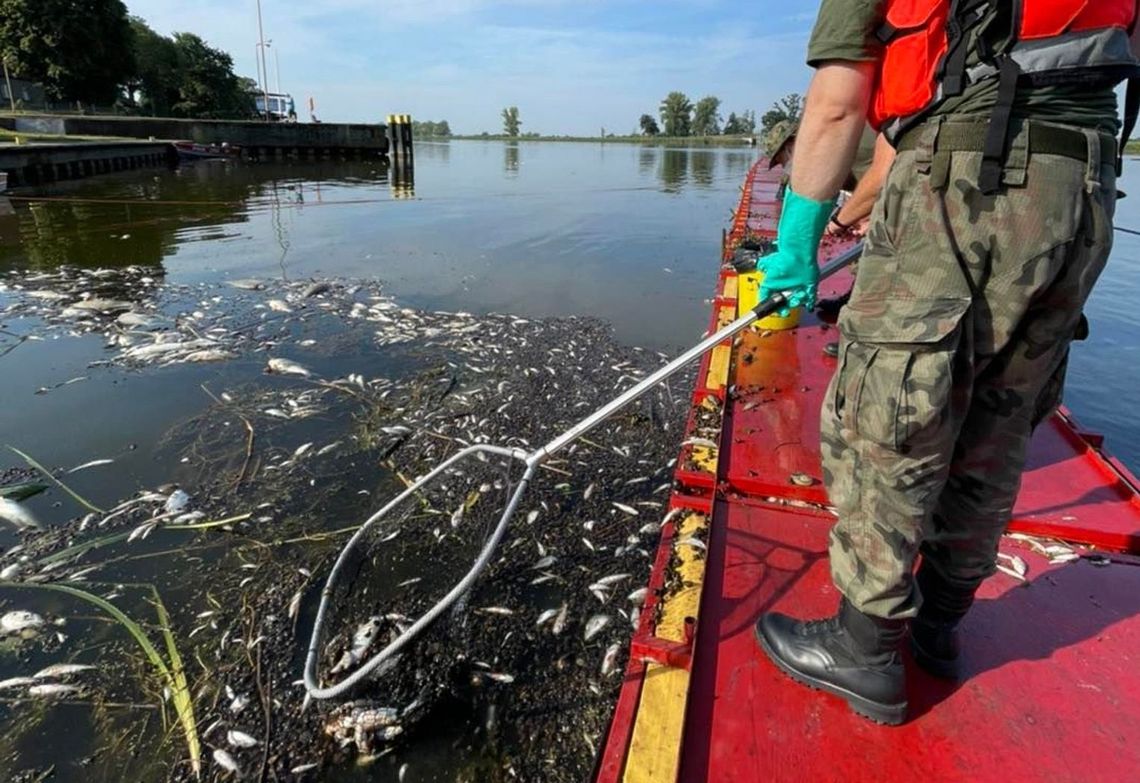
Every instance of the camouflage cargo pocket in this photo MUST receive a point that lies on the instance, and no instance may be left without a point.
(896, 373)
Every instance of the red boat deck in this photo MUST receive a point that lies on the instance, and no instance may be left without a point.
(1052, 665)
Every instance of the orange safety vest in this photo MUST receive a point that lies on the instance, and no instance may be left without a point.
(1053, 42)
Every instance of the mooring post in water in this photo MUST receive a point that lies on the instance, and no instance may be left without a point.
(406, 134)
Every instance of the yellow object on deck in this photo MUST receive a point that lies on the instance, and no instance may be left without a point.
(748, 296)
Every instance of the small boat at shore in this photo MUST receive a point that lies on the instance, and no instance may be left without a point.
(192, 150)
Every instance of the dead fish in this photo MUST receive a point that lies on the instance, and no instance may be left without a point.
(287, 367)
(693, 542)
(19, 516)
(226, 761)
(595, 625)
(102, 305)
(362, 639)
(20, 620)
(545, 562)
(92, 464)
(209, 355)
(546, 616)
(52, 689)
(560, 621)
(302, 768)
(16, 682)
(302, 450)
(589, 491)
(499, 610)
(457, 515)
(1017, 567)
(62, 670)
(279, 306)
(609, 659)
(177, 502)
(316, 289)
(531, 517)
(239, 739)
(500, 677)
(613, 579)
(323, 450)
(633, 512)
(638, 595)
(246, 285)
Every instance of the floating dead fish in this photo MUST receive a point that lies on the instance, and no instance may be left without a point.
(48, 689)
(498, 610)
(638, 595)
(300, 769)
(102, 305)
(177, 502)
(609, 659)
(287, 367)
(92, 464)
(531, 517)
(316, 289)
(239, 739)
(622, 507)
(362, 639)
(279, 306)
(20, 620)
(19, 516)
(544, 562)
(16, 682)
(612, 579)
(226, 761)
(246, 285)
(589, 491)
(595, 625)
(61, 670)
(209, 355)
(560, 620)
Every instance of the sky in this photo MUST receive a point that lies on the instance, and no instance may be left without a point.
(571, 66)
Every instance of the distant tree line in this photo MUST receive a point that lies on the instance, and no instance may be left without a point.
(92, 52)
(428, 129)
(680, 117)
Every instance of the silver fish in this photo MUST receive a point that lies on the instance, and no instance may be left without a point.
(595, 625)
(545, 562)
(279, 306)
(18, 515)
(287, 367)
(92, 464)
(20, 620)
(609, 659)
(62, 670)
(52, 689)
(226, 761)
(177, 502)
(546, 616)
(499, 610)
(16, 682)
(638, 595)
(239, 739)
(633, 512)
(612, 579)
(560, 621)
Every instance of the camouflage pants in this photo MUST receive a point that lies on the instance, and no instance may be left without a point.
(943, 376)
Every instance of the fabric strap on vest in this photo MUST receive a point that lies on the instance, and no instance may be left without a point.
(1131, 110)
(993, 153)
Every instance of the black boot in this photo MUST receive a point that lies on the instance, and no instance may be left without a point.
(828, 309)
(934, 632)
(851, 655)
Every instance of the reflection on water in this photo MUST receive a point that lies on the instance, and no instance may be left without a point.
(674, 170)
(511, 158)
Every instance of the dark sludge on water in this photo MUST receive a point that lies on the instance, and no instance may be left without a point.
(323, 400)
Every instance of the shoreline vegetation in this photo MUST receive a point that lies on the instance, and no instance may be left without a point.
(661, 141)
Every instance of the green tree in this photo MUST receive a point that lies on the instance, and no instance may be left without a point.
(748, 122)
(732, 125)
(80, 50)
(787, 108)
(676, 114)
(649, 125)
(154, 85)
(207, 85)
(511, 121)
(706, 116)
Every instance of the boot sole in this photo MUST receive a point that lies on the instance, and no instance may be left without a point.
(939, 667)
(883, 714)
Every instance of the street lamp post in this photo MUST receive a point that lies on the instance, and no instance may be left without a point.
(261, 43)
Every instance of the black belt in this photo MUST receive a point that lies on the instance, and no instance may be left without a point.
(1043, 140)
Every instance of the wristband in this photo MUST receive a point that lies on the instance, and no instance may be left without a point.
(835, 221)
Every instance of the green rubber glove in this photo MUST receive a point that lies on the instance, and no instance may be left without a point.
(793, 268)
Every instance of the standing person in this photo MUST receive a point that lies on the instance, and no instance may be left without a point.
(993, 226)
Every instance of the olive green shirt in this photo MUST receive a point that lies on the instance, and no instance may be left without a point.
(845, 30)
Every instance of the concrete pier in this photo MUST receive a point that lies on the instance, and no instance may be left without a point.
(256, 139)
(31, 164)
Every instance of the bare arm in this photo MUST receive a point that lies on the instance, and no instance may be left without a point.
(832, 123)
(867, 190)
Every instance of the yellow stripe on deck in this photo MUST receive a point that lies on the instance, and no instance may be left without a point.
(717, 377)
(655, 749)
(729, 291)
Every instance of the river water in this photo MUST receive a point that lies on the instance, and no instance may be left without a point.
(625, 234)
